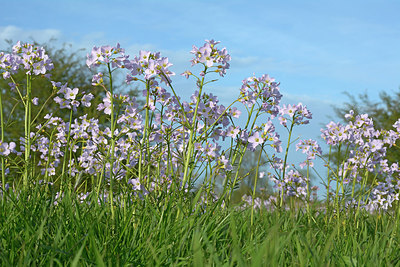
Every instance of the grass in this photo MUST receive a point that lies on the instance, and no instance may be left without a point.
(34, 232)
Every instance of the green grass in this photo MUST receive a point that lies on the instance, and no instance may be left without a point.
(34, 232)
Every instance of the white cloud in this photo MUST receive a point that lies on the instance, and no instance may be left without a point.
(15, 34)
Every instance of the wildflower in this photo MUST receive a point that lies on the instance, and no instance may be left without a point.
(97, 79)
(25, 56)
(86, 100)
(6, 148)
(297, 113)
(232, 132)
(255, 140)
(224, 163)
(309, 147)
(106, 105)
(71, 93)
(234, 112)
(35, 101)
(186, 73)
(150, 65)
(209, 56)
(136, 185)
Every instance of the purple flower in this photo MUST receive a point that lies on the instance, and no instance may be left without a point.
(186, 73)
(223, 163)
(232, 132)
(136, 185)
(234, 112)
(6, 148)
(105, 55)
(25, 56)
(297, 114)
(311, 149)
(86, 100)
(97, 79)
(150, 65)
(375, 145)
(71, 93)
(106, 105)
(209, 56)
(255, 140)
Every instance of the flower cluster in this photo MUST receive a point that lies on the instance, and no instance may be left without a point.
(311, 149)
(150, 65)
(298, 114)
(294, 184)
(366, 148)
(263, 134)
(68, 97)
(384, 194)
(366, 145)
(31, 58)
(210, 56)
(263, 87)
(268, 204)
(114, 55)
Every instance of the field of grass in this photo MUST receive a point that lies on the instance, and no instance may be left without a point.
(34, 232)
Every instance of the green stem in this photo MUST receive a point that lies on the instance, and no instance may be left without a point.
(308, 191)
(328, 185)
(145, 139)
(255, 186)
(192, 135)
(28, 107)
(49, 155)
(243, 151)
(112, 139)
(3, 175)
(176, 96)
(18, 90)
(285, 161)
(63, 172)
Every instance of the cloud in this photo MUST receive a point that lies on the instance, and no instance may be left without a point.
(15, 34)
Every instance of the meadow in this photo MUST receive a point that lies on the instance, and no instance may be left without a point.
(153, 185)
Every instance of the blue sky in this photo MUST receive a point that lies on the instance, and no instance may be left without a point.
(316, 49)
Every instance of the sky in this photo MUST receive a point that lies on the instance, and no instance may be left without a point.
(316, 49)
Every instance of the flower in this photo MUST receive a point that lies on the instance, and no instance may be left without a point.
(106, 105)
(209, 55)
(86, 100)
(297, 114)
(31, 58)
(232, 132)
(6, 148)
(150, 65)
(255, 140)
(71, 93)
(136, 185)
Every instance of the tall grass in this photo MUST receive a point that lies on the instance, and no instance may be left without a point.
(36, 232)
